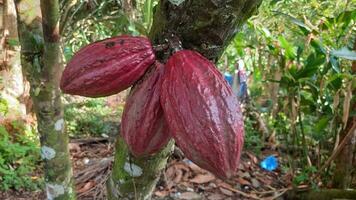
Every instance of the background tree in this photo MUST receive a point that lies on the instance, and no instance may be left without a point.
(42, 60)
(11, 79)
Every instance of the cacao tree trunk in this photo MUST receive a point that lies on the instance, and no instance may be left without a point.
(42, 60)
(206, 26)
(12, 83)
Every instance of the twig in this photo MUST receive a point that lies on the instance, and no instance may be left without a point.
(240, 192)
(271, 191)
(89, 140)
(280, 194)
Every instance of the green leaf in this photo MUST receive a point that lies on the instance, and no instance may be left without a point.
(289, 49)
(334, 63)
(314, 60)
(306, 30)
(321, 124)
(344, 53)
(147, 13)
(318, 46)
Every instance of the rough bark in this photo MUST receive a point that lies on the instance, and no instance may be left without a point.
(206, 26)
(12, 83)
(43, 61)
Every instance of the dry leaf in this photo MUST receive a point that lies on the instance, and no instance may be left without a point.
(216, 197)
(86, 187)
(243, 181)
(252, 157)
(255, 183)
(190, 196)
(163, 193)
(202, 178)
(226, 192)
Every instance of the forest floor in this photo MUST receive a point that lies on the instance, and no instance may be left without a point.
(182, 179)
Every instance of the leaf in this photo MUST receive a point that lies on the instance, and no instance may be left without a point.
(318, 46)
(202, 178)
(289, 49)
(306, 30)
(334, 63)
(189, 196)
(344, 53)
(321, 124)
(147, 13)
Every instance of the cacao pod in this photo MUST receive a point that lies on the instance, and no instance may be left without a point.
(107, 67)
(143, 125)
(202, 112)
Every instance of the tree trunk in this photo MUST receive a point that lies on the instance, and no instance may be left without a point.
(342, 177)
(42, 60)
(12, 83)
(206, 26)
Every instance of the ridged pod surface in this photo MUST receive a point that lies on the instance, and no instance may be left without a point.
(143, 125)
(107, 67)
(202, 112)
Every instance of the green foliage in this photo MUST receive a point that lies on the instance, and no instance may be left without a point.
(305, 54)
(91, 118)
(19, 157)
(253, 139)
(3, 107)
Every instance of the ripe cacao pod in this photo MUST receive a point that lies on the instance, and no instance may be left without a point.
(107, 67)
(202, 112)
(143, 125)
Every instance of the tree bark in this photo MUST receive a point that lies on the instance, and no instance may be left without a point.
(206, 26)
(42, 60)
(12, 83)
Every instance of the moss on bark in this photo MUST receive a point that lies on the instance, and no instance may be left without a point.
(206, 26)
(42, 61)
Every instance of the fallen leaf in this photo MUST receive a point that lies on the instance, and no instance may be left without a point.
(86, 187)
(216, 197)
(255, 183)
(195, 168)
(226, 192)
(252, 157)
(163, 193)
(202, 178)
(190, 196)
(243, 181)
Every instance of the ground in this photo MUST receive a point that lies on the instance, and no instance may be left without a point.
(182, 179)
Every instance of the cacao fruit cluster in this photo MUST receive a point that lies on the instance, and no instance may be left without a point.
(186, 99)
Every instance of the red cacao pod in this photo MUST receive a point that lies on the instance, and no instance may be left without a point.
(107, 67)
(202, 112)
(143, 125)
